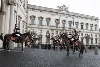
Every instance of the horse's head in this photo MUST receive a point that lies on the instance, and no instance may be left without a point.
(28, 34)
(63, 35)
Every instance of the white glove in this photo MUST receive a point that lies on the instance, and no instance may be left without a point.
(17, 34)
(72, 39)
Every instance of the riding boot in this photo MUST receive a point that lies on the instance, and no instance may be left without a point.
(18, 39)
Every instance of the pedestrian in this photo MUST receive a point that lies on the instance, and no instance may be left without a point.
(1, 36)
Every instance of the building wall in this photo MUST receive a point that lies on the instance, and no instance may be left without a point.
(66, 15)
(11, 14)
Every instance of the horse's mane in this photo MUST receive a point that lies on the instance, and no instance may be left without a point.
(25, 33)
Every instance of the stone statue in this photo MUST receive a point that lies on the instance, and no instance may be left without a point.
(63, 8)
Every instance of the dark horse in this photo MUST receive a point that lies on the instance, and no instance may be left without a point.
(7, 39)
(65, 40)
(55, 42)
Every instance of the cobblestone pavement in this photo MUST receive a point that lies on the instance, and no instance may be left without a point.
(47, 58)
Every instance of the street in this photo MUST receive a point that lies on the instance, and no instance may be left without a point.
(47, 58)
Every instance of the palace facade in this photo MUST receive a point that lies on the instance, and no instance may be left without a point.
(45, 22)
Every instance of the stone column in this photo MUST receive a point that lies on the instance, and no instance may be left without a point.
(11, 25)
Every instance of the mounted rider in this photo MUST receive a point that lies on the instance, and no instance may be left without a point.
(16, 34)
(75, 36)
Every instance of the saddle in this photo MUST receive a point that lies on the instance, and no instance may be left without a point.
(15, 37)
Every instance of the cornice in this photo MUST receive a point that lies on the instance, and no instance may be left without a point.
(52, 10)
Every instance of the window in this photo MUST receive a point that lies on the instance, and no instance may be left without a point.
(91, 27)
(95, 35)
(32, 9)
(81, 26)
(95, 40)
(95, 28)
(76, 26)
(63, 25)
(56, 24)
(48, 23)
(77, 23)
(32, 21)
(40, 22)
(86, 27)
(70, 25)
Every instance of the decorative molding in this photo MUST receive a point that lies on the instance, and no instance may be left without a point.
(91, 24)
(87, 23)
(70, 22)
(11, 2)
(76, 22)
(40, 18)
(56, 20)
(19, 16)
(95, 25)
(3, 12)
(32, 17)
(81, 23)
(15, 11)
(63, 21)
(48, 19)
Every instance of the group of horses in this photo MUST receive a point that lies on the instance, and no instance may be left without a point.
(62, 39)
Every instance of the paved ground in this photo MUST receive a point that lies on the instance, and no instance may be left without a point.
(47, 58)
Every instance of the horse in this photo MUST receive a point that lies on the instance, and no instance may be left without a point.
(30, 42)
(8, 37)
(65, 39)
(55, 42)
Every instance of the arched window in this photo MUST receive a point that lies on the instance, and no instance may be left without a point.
(63, 23)
(48, 21)
(32, 19)
(40, 20)
(77, 23)
(86, 26)
(70, 24)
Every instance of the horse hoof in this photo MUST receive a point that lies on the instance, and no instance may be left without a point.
(79, 55)
(67, 54)
(9, 50)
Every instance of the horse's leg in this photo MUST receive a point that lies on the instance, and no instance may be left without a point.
(73, 49)
(22, 46)
(7, 45)
(81, 50)
(4, 43)
(67, 50)
(54, 46)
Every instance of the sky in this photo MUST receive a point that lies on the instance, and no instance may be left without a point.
(87, 7)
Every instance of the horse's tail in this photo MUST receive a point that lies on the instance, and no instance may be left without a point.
(4, 42)
(82, 48)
